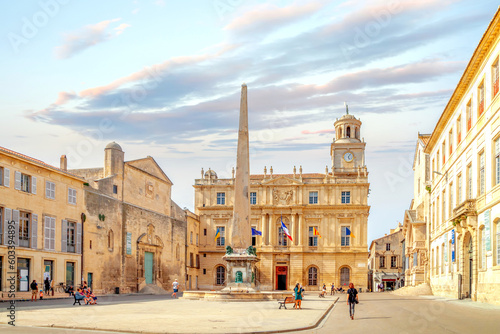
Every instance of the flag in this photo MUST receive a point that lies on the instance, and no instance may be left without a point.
(217, 235)
(285, 229)
(315, 232)
(255, 232)
(348, 232)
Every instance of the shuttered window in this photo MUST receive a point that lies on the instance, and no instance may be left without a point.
(49, 233)
(71, 196)
(50, 190)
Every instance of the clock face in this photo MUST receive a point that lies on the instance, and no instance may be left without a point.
(348, 156)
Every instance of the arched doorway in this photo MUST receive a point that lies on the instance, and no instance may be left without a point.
(345, 276)
(220, 275)
(312, 276)
(468, 266)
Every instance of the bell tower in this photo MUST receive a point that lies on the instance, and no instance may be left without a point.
(347, 149)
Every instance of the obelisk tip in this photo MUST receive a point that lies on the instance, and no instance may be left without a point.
(244, 85)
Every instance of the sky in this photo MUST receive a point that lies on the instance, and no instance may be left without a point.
(163, 78)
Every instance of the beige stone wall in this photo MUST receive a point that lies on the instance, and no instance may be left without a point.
(39, 206)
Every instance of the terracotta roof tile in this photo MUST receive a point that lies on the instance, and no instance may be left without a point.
(40, 162)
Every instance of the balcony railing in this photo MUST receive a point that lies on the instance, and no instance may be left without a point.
(466, 208)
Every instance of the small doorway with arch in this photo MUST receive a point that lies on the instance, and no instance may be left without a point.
(468, 248)
(345, 276)
(281, 277)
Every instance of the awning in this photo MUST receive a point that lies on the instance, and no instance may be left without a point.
(389, 279)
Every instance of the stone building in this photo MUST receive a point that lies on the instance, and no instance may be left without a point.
(134, 235)
(333, 203)
(385, 261)
(464, 149)
(192, 256)
(415, 219)
(44, 205)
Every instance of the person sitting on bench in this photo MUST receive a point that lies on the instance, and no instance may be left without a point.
(78, 296)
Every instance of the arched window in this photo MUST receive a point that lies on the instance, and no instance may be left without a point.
(110, 240)
(340, 132)
(220, 275)
(345, 276)
(348, 132)
(313, 276)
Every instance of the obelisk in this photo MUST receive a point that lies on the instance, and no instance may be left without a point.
(241, 233)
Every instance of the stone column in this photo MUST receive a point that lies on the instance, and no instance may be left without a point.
(263, 229)
(294, 228)
(301, 230)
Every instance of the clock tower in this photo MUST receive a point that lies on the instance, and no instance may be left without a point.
(348, 150)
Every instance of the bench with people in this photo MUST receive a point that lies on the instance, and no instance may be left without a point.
(86, 295)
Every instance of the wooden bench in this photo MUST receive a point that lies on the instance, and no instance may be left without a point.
(77, 300)
(288, 300)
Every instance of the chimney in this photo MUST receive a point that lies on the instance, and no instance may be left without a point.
(64, 162)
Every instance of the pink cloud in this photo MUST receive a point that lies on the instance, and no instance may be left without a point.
(307, 132)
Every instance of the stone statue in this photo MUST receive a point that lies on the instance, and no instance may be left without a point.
(251, 251)
(229, 250)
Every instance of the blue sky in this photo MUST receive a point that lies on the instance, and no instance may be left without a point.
(162, 78)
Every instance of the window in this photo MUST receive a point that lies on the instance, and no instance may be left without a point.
(115, 189)
(282, 237)
(459, 189)
(204, 271)
(481, 174)
(387, 247)
(433, 168)
(494, 77)
(468, 115)
(450, 141)
(254, 237)
(1, 230)
(469, 181)
(345, 238)
(204, 231)
(24, 229)
(191, 260)
(49, 233)
(497, 161)
(498, 242)
(394, 261)
(313, 239)
(382, 261)
(444, 152)
(313, 276)
(346, 197)
(442, 259)
(450, 209)
(253, 198)
(483, 248)
(191, 237)
(444, 207)
(313, 197)
(71, 196)
(25, 183)
(437, 160)
(348, 132)
(197, 239)
(221, 275)
(50, 190)
(221, 198)
(480, 99)
(459, 130)
(198, 261)
(70, 237)
(415, 259)
(70, 273)
(110, 240)
(221, 240)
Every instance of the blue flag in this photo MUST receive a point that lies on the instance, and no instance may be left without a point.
(255, 232)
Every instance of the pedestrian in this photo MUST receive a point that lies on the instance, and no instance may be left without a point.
(175, 287)
(46, 284)
(323, 291)
(41, 294)
(34, 289)
(352, 299)
(332, 291)
(52, 287)
(298, 296)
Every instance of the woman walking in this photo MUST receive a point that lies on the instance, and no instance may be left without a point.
(298, 296)
(352, 299)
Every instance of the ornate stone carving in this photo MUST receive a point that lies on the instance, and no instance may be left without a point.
(282, 197)
(151, 233)
(150, 190)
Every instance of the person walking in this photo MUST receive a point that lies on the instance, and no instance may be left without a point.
(352, 299)
(34, 289)
(332, 291)
(298, 296)
(175, 286)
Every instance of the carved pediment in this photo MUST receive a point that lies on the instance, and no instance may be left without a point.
(282, 181)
